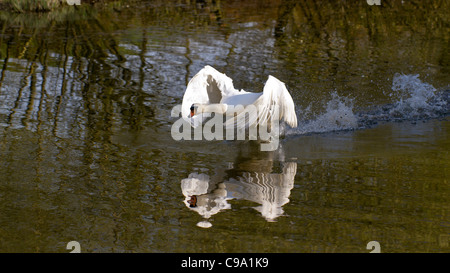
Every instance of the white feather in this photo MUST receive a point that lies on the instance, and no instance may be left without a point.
(209, 86)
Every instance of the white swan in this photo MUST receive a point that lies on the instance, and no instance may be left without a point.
(211, 91)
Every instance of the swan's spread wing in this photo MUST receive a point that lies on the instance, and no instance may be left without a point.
(276, 94)
(206, 87)
(259, 108)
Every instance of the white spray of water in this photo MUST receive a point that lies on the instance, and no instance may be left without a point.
(412, 100)
(338, 116)
(416, 98)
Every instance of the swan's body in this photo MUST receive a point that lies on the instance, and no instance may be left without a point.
(211, 91)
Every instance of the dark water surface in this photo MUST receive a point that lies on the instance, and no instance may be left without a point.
(86, 152)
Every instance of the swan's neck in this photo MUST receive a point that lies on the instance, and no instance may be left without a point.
(215, 107)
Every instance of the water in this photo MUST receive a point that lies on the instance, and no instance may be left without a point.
(86, 152)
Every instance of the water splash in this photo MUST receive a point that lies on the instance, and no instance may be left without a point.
(417, 99)
(338, 116)
(412, 100)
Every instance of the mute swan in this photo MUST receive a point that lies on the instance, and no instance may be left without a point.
(211, 91)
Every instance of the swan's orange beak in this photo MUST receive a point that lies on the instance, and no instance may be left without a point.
(192, 111)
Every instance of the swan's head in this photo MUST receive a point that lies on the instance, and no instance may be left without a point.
(193, 201)
(194, 108)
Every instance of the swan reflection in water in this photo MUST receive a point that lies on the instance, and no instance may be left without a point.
(257, 178)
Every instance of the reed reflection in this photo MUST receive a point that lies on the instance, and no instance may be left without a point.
(260, 177)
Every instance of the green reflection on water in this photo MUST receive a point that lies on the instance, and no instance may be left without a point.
(85, 147)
